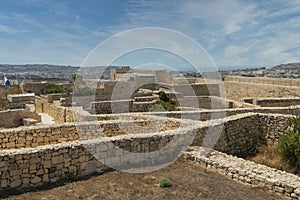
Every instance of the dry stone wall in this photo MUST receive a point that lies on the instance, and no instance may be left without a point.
(14, 118)
(52, 134)
(247, 172)
(59, 113)
(204, 115)
(30, 167)
(276, 102)
(107, 107)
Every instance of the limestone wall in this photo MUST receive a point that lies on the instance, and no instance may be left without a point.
(33, 87)
(14, 118)
(20, 98)
(273, 126)
(265, 80)
(238, 90)
(12, 89)
(276, 102)
(59, 113)
(198, 89)
(248, 172)
(30, 167)
(106, 107)
(209, 102)
(52, 134)
(141, 106)
(204, 115)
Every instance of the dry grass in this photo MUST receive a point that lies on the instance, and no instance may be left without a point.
(268, 155)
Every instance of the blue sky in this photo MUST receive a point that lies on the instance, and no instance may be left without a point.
(233, 32)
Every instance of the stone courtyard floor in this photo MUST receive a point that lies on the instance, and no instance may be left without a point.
(189, 181)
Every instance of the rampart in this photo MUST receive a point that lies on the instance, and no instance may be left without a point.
(238, 90)
(265, 80)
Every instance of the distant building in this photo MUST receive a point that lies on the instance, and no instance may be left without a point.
(116, 74)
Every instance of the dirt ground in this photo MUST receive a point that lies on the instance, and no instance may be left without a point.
(189, 181)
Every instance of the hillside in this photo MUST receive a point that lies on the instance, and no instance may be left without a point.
(34, 71)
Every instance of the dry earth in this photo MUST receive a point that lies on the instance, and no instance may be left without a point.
(189, 181)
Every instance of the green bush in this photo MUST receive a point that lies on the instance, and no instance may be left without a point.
(165, 182)
(165, 103)
(289, 144)
(162, 106)
(51, 89)
(163, 96)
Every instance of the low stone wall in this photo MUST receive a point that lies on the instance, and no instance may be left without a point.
(204, 115)
(14, 118)
(59, 113)
(20, 98)
(52, 134)
(107, 107)
(276, 102)
(210, 102)
(141, 106)
(247, 172)
(146, 98)
(30, 167)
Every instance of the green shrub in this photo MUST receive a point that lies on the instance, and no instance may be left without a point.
(165, 182)
(289, 144)
(165, 103)
(51, 89)
(163, 96)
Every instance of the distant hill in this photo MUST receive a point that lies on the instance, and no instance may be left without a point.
(290, 70)
(288, 66)
(36, 71)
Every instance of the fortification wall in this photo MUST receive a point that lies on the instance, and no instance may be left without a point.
(265, 80)
(238, 90)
